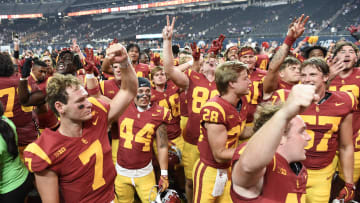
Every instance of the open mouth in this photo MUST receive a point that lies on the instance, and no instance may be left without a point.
(61, 66)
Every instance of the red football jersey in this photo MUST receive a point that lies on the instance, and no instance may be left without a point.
(323, 124)
(83, 164)
(109, 88)
(169, 99)
(183, 104)
(284, 85)
(142, 70)
(137, 130)
(256, 92)
(350, 84)
(280, 184)
(262, 61)
(20, 115)
(46, 117)
(200, 90)
(279, 95)
(219, 111)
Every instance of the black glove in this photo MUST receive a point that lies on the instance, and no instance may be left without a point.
(26, 68)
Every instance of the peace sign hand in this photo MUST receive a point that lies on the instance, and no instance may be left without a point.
(297, 27)
(168, 30)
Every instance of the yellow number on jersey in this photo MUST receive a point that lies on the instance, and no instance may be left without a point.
(200, 96)
(347, 88)
(175, 106)
(322, 120)
(95, 148)
(252, 97)
(211, 116)
(143, 136)
(10, 101)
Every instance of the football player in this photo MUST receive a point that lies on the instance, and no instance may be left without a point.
(76, 159)
(222, 121)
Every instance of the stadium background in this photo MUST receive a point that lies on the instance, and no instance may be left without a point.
(52, 24)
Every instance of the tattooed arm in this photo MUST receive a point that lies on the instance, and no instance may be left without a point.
(295, 30)
(162, 146)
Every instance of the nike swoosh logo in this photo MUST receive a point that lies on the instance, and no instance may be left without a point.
(338, 104)
(95, 122)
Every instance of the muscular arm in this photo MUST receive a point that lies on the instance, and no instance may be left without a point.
(217, 136)
(271, 78)
(179, 78)
(248, 173)
(346, 149)
(261, 147)
(105, 67)
(92, 83)
(126, 94)
(27, 98)
(162, 146)
(47, 184)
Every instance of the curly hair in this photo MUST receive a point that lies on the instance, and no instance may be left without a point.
(263, 113)
(56, 89)
(6, 65)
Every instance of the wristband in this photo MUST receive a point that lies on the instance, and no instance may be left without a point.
(126, 63)
(191, 62)
(16, 54)
(93, 91)
(289, 41)
(23, 79)
(164, 172)
(89, 76)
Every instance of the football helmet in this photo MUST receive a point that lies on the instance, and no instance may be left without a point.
(174, 155)
(168, 196)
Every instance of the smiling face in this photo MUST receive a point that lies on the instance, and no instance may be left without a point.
(209, 64)
(143, 96)
(311, 75)
(348, 55)
(248, 59)
(134, 54)
(65, 64)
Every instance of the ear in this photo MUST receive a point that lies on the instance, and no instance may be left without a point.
(59, 106)
(283, 140)
(325, 78)
(281, 74)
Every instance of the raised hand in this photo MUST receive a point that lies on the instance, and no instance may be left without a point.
(117, 54)
(195, 51)
(26, 67)
(297, 27)
(355, 32)
(90, 66)
(216, 45)
(300, 97)
(168, 30)
(336, 65)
